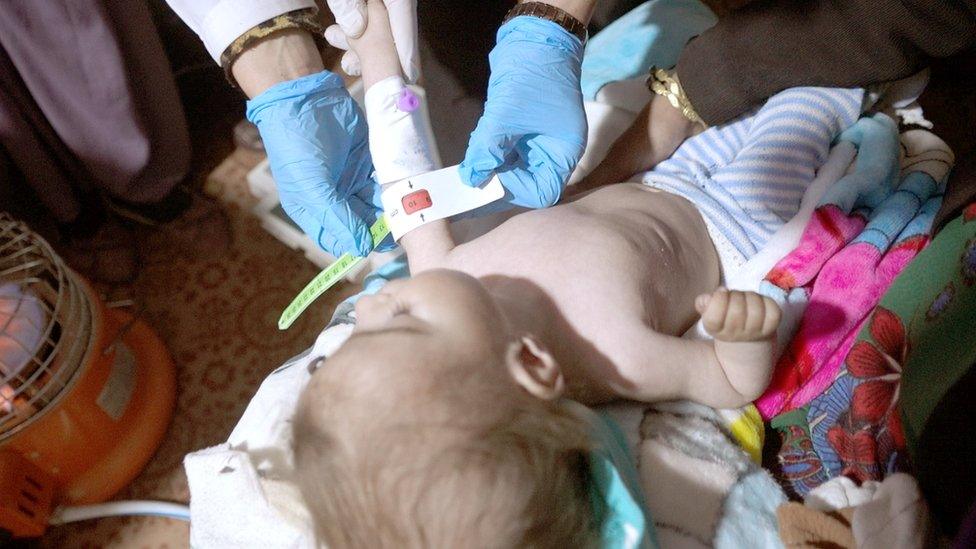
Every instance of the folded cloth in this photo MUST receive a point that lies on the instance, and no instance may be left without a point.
(243, 493)
(895, 518)
(652, 34)
(841, 278)
(877, 515)
(916, 342)
(702, 489)
(840, 492)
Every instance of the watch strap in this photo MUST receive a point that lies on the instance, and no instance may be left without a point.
(550, 13)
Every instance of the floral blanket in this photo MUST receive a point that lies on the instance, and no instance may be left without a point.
(912, 348)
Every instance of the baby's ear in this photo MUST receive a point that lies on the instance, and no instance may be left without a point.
(534, 368)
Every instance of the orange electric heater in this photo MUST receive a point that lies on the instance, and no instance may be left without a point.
(86, 392)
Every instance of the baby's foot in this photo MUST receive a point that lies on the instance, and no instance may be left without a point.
(738, 316)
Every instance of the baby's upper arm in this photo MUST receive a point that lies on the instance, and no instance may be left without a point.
(656, 367)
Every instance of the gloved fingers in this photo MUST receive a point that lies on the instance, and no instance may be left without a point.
(344, 231)
(536, 179)
(350, 63)
(403, 24)
(350, 59)
(350, 15)
(488, 150)
(537, 187)
(369, 213)
(336, 38)
(371, 193)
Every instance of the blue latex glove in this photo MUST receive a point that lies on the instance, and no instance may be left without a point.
(318, 147)
(533, 130)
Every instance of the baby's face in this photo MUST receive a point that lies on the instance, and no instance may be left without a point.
(413, 333)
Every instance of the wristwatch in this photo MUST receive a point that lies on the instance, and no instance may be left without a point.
(550, 13)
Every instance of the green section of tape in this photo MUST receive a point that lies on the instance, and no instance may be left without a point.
(328, 278)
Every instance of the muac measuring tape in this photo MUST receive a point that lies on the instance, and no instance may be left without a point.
(408, 203)
(328, 278)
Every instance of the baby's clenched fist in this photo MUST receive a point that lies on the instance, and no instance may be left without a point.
(738, 316)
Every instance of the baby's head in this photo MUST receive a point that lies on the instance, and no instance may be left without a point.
(435, 426)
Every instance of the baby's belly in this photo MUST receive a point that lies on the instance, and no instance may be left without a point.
(617, 257)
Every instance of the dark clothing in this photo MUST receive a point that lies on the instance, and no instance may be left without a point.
(770, 45)
(88, 102)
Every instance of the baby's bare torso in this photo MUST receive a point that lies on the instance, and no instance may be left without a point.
(620, 259)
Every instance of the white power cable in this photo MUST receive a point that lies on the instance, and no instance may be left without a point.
(64, 515)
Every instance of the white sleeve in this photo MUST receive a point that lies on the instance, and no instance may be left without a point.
(220, 22)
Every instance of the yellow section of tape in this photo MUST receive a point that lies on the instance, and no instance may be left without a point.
(328, 278)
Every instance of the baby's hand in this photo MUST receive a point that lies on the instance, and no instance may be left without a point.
(738, 316)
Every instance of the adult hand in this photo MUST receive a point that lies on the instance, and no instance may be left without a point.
(533, 130)
(317, 143)
(351, 19)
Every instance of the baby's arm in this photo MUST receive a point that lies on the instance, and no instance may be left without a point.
(655, 134)
(731, 371)
(426, 246)
(375, 48)
(744, 327)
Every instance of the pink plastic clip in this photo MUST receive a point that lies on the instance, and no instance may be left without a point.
(408, 101)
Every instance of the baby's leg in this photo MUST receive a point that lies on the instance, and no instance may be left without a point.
(785, 144)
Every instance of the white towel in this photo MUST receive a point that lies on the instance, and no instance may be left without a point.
(242, 492)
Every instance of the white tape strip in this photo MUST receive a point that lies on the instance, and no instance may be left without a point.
(428, 197)
(400, 137)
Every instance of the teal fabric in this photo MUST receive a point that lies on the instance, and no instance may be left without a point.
(615, 489)
(652, 34)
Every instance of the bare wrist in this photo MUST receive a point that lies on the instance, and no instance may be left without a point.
(282, 56)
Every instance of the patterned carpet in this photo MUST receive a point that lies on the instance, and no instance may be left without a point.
(216, 309)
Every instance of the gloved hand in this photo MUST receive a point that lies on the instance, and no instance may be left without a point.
(317, 144)
(533, 131)
(351, 19)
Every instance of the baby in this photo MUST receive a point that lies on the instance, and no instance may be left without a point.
(446, 418)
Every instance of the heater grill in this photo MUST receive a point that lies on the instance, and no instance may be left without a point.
(45, 326)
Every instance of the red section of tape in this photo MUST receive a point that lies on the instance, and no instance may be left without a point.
(416, 201)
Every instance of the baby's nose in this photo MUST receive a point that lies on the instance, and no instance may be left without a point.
(373, 310)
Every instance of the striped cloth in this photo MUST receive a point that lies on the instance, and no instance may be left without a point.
(747, 178)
